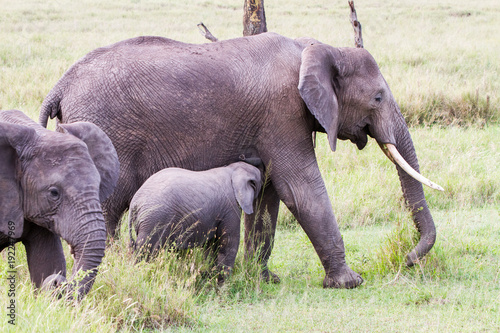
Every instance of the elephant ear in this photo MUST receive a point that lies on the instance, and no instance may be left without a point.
(317, 72)
(13, 141)
(101, 151)
(245, 187)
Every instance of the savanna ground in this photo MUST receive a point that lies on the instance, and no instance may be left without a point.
(441, 60)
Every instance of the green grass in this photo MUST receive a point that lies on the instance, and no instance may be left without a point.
(441, 61)
(456, 289)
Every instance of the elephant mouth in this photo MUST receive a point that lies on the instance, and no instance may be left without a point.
(361, 141)
(359, 137)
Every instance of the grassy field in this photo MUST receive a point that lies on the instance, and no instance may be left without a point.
(440, 59)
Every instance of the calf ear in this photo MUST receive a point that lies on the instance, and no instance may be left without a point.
(13, 141)
(244, 189)
(101, 150)
(317, 72)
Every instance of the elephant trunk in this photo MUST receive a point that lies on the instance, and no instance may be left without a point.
(88, 247)
(413, 191)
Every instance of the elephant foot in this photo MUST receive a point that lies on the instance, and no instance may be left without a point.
(343, 278)
(220, 274)
(269, 276)
(223, 274)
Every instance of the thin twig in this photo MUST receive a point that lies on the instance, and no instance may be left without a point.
(206, 33)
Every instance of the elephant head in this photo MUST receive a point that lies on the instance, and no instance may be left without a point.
(56, 181)
(345, 91)
(247, 182)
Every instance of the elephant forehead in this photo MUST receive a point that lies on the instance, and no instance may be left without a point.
(371, 66)
(61, 160)
(359, 62)
(62, 149)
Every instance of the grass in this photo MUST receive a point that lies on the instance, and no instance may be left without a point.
(467, 170)
(440, 59)
(456, 289)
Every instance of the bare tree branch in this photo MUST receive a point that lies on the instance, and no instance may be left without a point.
(358, 38)
(206, 33)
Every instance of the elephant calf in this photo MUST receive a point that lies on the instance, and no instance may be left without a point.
(51, 187)
(182, 209)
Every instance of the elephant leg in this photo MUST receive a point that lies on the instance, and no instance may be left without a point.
(305, 195)
(118, 202)
(320, 225)
(150, 240)
(260, 228)
(112, 210)
(45, 254)
(4, 242)
(228, 241)
(144, 246)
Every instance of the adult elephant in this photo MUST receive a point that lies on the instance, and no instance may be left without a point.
(165, 103)
(51, 185)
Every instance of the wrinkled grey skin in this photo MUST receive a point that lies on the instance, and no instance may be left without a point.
(165, 103)
(52, 282)
(184, 209)
(51, 185)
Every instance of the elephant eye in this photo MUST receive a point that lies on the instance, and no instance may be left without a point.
(253, 184)
(378, 97)
(54, 193)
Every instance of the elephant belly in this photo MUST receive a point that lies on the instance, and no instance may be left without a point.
(195, 237)
(182, 233)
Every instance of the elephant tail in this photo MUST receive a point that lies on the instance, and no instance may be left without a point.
(51, 106)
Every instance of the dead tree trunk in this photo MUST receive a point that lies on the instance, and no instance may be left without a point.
(254, 17)
(356, 25)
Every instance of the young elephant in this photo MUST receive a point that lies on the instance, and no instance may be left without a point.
(183, 209)
(51, 187)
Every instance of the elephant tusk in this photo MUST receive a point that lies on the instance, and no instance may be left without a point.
(396, 158)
